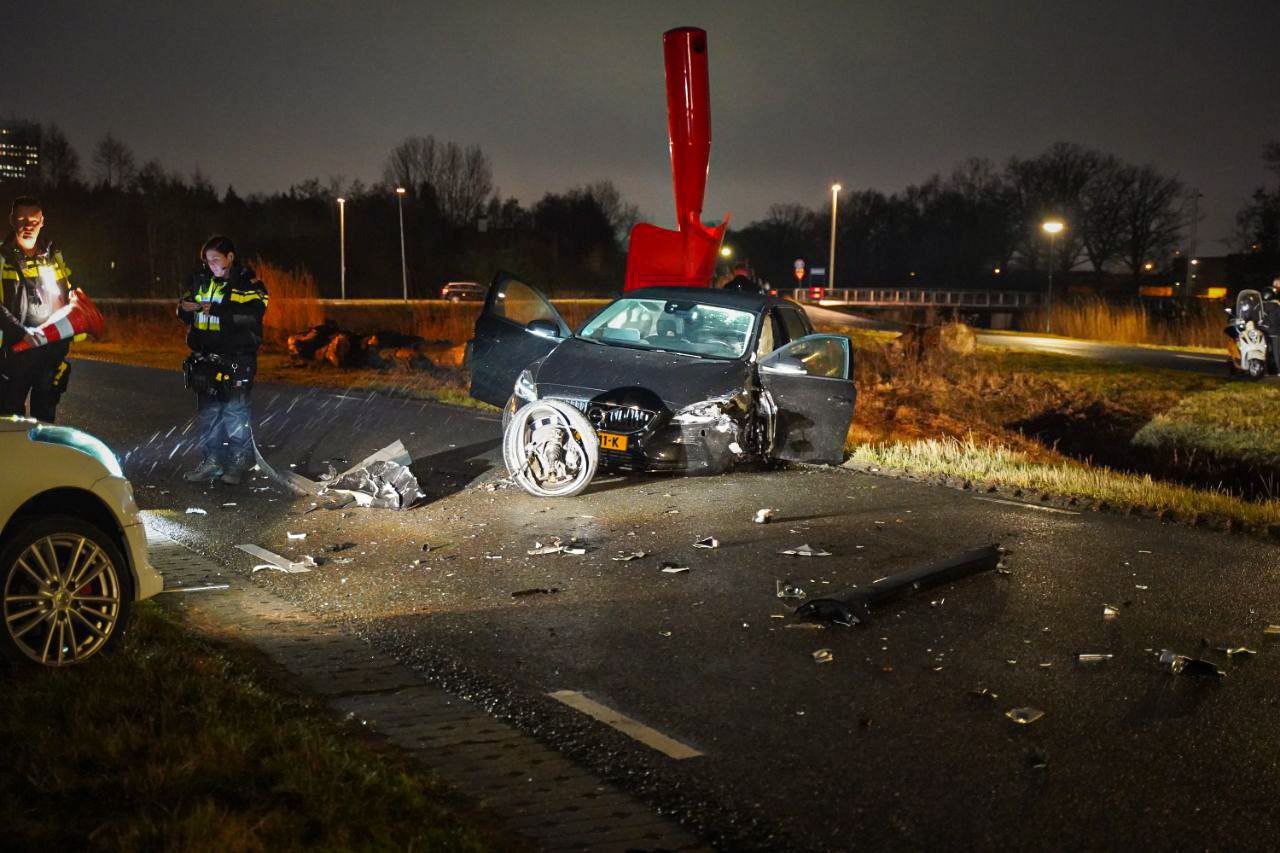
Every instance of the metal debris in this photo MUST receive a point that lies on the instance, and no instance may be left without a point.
(1272, 630)
(628, 556)
(1109, 612)
(707, 542)
(764, 516)
(674, 569)
(823, 656)
(788, 590)
(1093, 657)
(195, 510)
(1178, 664)
(805, 550)
(295, 537)
(1024, 716)
(984, 693)
(1237, 651)
(275, 562)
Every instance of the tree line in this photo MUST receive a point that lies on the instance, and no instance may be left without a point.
(131, 229)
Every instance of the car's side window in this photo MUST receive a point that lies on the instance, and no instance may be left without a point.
(796, 327)
(520, 303)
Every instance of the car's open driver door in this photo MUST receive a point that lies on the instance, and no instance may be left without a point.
(810, 383)
(518, 326)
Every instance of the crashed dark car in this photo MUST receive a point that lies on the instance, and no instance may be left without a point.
(672, 378)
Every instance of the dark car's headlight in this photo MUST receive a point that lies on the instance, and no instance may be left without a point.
(706, 412)
(525, 388)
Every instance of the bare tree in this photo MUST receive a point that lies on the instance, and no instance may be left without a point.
(461, 179)
(1052, 185)
(1152, 214)
(411, 164)
(59, 162)
(622, 215)
(1103, 209)
(113, 162)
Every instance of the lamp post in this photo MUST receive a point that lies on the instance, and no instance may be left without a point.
(342, 245)
(831, 259)
(1052, 227)
(404, 267)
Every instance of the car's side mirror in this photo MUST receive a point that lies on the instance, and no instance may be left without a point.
(543, 328)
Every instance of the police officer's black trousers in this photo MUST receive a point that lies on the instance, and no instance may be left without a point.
(35, 372)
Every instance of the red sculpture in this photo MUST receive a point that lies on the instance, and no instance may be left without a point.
(687, 256)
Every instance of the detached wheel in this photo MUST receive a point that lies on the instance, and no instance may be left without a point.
(551, 449)
(1257, 368)
(65, 591)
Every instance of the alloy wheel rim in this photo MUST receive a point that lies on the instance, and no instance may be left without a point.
(61, 599)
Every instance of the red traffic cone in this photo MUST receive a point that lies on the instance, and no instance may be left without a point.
(80, 316)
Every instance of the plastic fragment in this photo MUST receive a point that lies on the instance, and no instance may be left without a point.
(788, 590)
(1110, 611)
(1272, 630)
(764, 516)
(540, 590)
(297, 536)
(674, 569)
(1178, 664)
(1238, 651)
(823, 656)
(195, 510)
(628, 556)
(1093, 657)
(1024, 716)
(805, 550)
(707, 542)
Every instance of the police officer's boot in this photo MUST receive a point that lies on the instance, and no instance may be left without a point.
(207, 470)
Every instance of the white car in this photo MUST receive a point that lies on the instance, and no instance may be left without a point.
(73, 551)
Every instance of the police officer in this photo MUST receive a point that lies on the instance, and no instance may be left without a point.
(223, 307)
(36, 282)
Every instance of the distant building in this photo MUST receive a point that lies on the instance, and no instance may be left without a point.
(19, 150)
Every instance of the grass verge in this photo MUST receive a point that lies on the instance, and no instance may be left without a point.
(1238, 422)
(175, 743)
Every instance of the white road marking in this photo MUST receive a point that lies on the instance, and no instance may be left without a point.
(651, 738)
(1028, 506)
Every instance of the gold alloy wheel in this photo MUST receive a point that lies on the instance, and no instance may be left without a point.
(61, 599)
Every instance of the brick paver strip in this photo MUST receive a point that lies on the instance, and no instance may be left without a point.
(535, 791)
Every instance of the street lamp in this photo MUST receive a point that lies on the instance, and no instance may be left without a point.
(1052, 227)
(726, 252)
(831, 259)
(404, 267)
(342, 244)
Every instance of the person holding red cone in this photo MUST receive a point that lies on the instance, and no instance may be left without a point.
(36, 285)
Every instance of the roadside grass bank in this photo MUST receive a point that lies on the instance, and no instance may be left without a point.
(1097, 320)
(174, 742)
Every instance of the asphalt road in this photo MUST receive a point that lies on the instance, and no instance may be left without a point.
(885, 746)
(1167, 359)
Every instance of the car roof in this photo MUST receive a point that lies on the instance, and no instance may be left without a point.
(708, 296)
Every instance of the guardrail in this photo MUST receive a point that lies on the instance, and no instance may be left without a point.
(918, 297)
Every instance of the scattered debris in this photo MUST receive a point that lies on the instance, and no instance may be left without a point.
(1110, 612)
(1272, 630)
(295, 537)
(339, 547)
(1037, 760)
(1178, 664)
(707, 542)
(1237, 651)
(674, 569)
(853, 606)
(1024, 716)
(788, 590)
(229, 504)
(628, 556)
(823, 656)
(805, 550)
(555, 546)
(276, 563)
(540, 590)
(984, 693)
(206, 588)
(764, 516)
(1093, 657)
(195, 510)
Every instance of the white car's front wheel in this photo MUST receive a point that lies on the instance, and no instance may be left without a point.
(65, 591)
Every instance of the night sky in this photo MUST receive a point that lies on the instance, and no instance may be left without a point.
(875, 94)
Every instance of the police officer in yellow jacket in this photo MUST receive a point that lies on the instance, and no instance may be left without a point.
(223, 307)
(36, 282)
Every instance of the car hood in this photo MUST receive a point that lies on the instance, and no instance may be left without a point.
(582, 368)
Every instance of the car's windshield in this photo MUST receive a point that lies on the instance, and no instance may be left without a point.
(677, 325)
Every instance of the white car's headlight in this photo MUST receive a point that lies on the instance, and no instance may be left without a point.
(525, 388)
(77, 440)
(706, 412)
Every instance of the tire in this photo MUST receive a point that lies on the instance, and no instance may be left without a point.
(48, 622)
(581, 433)
(1257, 368)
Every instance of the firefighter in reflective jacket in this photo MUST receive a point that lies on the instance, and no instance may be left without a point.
(223, 307)
(36, 283)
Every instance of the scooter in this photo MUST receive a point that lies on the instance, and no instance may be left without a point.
(1252, 335)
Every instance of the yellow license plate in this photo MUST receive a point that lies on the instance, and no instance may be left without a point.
(609, 441)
